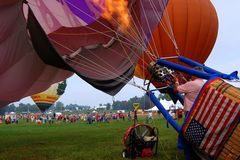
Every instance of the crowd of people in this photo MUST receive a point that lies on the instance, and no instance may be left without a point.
(103, 117)
(190, 89)
(39, 118)
(89, 117)
(10, 119)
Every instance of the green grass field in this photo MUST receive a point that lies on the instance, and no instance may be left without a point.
(60, 141)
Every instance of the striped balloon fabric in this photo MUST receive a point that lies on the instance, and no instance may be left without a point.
(213, 121)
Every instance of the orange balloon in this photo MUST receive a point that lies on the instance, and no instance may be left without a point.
(194, 26)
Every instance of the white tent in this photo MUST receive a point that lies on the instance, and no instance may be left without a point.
(179, 104)
(101, 107)
(166, 104)
(153, 109)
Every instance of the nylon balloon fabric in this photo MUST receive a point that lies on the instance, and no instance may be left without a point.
(47, 98)
(98, 51)
(188, 28)
(44, 42)
(22, 72)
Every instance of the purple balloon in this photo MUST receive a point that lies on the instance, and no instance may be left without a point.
(84, 9)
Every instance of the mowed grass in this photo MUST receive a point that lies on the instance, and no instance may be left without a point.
(60, 141)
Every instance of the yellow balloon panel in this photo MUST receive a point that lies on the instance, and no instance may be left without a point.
(45, 99)
(41, 98)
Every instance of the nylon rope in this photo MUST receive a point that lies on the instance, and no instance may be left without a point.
(139, 41)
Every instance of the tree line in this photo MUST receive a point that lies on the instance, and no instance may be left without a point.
(32, 108)
(144, 102)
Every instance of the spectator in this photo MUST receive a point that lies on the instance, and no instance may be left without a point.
(190, 90)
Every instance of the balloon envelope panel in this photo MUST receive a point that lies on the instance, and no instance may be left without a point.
(46, 99)
(194, 26)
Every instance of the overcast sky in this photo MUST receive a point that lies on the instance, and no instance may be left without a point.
(225, 57)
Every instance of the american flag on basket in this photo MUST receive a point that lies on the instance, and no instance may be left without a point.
(213, 117)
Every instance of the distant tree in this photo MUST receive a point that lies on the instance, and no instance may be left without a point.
(108, 106)
(72, 107)
(147, 103)
(59, 106)
(11, 108)
(32, 108)
(117, 105)
(3, 110)
(22, 108)
(164, 96)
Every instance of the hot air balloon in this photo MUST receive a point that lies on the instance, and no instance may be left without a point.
(22, 72)
(188, 28)
(109, 47)
(99, 40)
(47, 98)
(50, 40)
